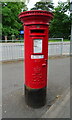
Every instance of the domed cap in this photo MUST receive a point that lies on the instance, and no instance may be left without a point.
(35, 17)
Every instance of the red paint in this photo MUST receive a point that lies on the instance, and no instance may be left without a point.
(35, 27)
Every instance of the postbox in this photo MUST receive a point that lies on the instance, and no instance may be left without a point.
(36, 29)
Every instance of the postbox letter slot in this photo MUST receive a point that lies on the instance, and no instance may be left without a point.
(37, 31)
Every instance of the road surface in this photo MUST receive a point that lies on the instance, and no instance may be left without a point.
(13, 97)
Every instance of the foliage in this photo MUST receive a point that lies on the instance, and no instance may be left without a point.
(43, 6)
(10, 21)
(62, 7)
(60, 25)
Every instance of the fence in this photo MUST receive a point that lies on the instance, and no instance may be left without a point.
(12, 51)
(21, 41)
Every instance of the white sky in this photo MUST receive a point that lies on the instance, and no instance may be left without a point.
(32, 2)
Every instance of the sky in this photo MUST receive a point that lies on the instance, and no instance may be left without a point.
(32, 2)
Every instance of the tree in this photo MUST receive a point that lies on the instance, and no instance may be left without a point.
(43, 6)
(10, 21)
(60, 25)
(63, 7)
(0, 20)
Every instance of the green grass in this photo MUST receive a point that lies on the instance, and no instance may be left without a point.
(65, 40)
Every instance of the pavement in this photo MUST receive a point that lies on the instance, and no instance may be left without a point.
(13, 103)
(61, 108)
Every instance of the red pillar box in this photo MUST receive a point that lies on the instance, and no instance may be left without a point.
(36, 28)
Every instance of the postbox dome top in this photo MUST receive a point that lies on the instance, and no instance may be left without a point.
(35, 16)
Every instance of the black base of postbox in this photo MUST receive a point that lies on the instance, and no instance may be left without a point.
(35, 98)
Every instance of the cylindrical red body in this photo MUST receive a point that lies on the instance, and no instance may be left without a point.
(36, 27)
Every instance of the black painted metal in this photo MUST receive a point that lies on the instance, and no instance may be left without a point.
(35, 98)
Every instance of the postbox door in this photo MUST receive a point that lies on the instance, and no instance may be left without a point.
(39, 62)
